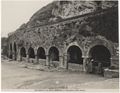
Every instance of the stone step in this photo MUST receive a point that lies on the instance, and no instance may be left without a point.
(111, 73)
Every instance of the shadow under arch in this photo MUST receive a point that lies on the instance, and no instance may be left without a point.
(31, 52)
(100, 54)
(53, 54)
(41, 53)
(74, 55)
(15, 51)
(23, 52)
(11, 55)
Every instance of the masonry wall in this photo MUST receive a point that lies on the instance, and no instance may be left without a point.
(84, 31)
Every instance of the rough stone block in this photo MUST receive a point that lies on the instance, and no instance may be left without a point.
(108, 73)
(75, 67)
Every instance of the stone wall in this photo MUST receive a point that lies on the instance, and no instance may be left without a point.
(84, 31)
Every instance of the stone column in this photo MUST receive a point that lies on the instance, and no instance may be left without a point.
(85, 60)
(13, 54)
(27, 58)
(61, 61)
(47, 60)
(9, 52)
(65, 64)
(36, 58)
(19, 57)
(115, 61)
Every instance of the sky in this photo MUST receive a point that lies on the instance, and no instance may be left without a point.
(17, 12)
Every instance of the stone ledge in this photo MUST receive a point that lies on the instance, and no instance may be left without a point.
(109, 73)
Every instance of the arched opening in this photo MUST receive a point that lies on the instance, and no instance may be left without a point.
(41, 53)
(15, 51)
(31, 53)
(74, 55)
(100, 54)
(54, 54)
(23, 52)
(10, 56)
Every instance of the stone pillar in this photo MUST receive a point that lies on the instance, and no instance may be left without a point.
(13, 54)
(19, 57)
(36, 58)
(61, 61)
(47, 60)
(27, 58)
(85, 61)
(9, 52)
(115, 61)
(65, 64)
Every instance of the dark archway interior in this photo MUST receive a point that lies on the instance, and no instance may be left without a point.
(54, 54)
(23, 52)
(41, 53)
(15, 51)
(10, 51)
(101, 54)
(74, 55)
(31, 53)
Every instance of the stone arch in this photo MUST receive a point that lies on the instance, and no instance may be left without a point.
(47, 50)
(53, 54)
(74, 55)
(31, 52)
(102, 43)
(100, 54)
(74, 44)
(15, 50)
(41, 53)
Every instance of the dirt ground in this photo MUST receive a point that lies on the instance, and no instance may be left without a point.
(16, 76)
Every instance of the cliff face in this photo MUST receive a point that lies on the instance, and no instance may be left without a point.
(58, 10)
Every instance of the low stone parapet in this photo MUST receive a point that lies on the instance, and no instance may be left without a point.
(109, 73)
(75, 67)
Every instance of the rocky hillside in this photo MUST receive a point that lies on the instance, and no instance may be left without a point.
(58, 10)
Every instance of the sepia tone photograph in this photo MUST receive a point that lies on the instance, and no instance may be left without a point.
(59, 45)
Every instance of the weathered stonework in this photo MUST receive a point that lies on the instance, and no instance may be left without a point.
(97, 28)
